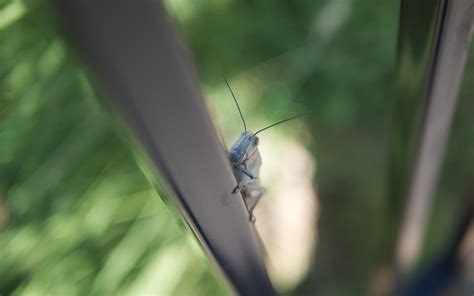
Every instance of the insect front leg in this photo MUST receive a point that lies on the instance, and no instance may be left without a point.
(243, 171)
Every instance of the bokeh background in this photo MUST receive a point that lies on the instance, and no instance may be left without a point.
(78, 215)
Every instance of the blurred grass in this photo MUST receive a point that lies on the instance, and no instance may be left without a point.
(77, 215)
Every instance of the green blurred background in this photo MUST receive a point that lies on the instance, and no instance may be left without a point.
(79, 217)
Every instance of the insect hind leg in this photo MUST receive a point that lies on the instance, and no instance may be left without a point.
(257, 193)
(251, 192)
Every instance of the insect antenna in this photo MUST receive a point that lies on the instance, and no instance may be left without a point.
(237, 103)
(282, 121)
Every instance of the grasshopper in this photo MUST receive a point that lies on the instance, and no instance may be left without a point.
(246, 162)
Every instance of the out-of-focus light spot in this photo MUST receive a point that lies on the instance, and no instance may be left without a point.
(182, 9)
(125, 256)
(20, 77)
(408, 247)
(164, 272)
(286, 215)
(51, 59)
(331, 18)
(185, 10)
(11, 13)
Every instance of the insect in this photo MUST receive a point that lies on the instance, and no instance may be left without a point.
(246, 162)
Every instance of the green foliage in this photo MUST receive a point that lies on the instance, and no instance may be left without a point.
(77, 215)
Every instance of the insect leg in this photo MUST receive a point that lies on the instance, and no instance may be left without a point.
(245, 171)
(244, 184)
(251, 192)
(256, 192)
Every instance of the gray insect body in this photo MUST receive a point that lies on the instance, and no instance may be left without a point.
(246, 162)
